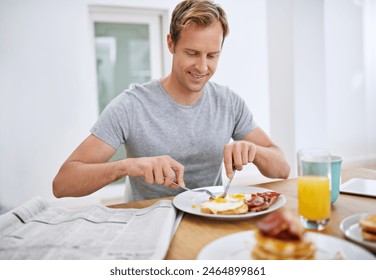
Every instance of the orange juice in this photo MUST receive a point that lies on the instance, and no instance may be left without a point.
(314, 197)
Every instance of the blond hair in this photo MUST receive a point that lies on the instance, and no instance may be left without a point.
(202, 13)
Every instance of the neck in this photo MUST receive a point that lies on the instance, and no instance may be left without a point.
(178, 93)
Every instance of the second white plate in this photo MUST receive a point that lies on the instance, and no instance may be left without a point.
(189, 202)
(238, 246)
(351, 229)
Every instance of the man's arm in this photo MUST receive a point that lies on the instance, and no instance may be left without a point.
(258, 148)
(87, 169)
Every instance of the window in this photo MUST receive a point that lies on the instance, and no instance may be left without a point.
(122, 58)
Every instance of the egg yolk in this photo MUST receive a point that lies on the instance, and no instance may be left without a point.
(237, 196)
(220, 200)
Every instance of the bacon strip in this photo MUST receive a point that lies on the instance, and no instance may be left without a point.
(255, 201)
(261, 201)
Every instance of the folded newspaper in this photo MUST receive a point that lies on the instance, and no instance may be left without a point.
(36, 231)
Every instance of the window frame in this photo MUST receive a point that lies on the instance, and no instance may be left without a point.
(156, 19)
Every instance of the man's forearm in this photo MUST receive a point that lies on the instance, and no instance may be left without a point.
(271, 162)
(79, 179)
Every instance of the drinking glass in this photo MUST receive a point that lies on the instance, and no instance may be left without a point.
(314, 186)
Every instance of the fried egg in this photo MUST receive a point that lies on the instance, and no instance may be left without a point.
(232, 202)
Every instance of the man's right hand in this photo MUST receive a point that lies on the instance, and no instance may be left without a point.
(161, 170)
(88, 169)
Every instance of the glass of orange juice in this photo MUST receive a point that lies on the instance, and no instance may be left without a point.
(314, 187)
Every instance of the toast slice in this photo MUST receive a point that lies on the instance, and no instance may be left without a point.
(369, 236)
(368, 223)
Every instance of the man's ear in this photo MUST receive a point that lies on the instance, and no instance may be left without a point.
(170, 44)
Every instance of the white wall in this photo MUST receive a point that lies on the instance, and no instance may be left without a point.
(309, 74)
(47, 97)
(369, 46)
(348, 101)
(281, 75)
(47, 82)
(310, 95)
(317, 74)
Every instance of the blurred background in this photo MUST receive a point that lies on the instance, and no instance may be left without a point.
(306, 68)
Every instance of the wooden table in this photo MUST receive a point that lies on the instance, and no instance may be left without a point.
(195, 232)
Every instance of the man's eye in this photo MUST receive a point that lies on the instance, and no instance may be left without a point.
(191, 54)
(211, 56)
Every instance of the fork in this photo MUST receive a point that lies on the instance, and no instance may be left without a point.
(195, 190)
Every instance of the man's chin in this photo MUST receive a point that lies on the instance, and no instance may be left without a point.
(196, 89)
(197, 86)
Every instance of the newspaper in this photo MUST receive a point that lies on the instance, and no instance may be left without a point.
(37, 231)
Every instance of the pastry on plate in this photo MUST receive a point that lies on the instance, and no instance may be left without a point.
(281, 236)
(368, 225)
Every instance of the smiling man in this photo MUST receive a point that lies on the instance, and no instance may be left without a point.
(176, 129)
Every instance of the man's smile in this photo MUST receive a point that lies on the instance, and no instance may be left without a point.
(196, 76)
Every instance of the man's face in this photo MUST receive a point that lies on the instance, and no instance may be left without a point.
(195, 56)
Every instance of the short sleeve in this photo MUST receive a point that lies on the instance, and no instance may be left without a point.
(244, 120)
(112, 125)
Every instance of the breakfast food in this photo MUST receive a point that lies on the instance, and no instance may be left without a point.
(229, 205)
(239, 203)
(368, 225)
(281, 236)
(261, 201)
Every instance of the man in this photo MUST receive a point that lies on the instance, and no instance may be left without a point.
(176, 129)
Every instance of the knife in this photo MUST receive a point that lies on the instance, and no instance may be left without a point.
(228, 184)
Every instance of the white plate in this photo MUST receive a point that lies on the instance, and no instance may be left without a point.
(189, 202)
(351, 229)
(238, 246)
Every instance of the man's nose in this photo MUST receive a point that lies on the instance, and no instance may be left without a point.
(202, 64)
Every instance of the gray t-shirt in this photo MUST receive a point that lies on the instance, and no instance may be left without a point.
(150, 123)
